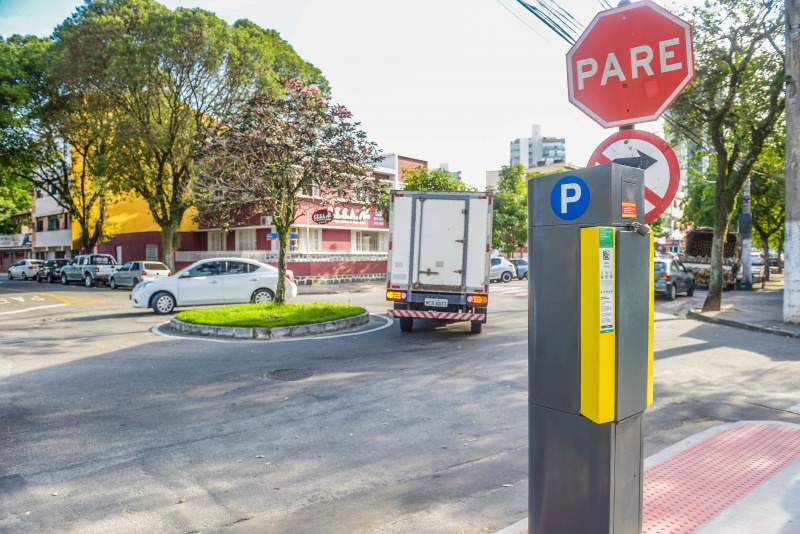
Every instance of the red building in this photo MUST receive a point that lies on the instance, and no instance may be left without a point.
(330, 242)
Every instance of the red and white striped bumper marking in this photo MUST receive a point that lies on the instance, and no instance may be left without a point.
(450, 316)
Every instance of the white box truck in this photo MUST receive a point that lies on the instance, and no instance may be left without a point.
(439, 249)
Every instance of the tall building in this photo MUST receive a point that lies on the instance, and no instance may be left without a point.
(536, 150)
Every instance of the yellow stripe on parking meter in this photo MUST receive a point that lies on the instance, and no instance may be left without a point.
(598, 341)
(650, 328)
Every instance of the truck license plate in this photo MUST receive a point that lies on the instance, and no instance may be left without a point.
(436, 303)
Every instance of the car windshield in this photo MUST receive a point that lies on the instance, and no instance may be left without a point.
(155, 266)
(660, 266)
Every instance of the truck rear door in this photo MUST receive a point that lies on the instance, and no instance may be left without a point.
(440, 239)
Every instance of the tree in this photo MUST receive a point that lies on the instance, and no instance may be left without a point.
(422, 178)
(170, 75)
(15, 194)
(767, 187)
(279, 146)
(733, 104)
(510, 210)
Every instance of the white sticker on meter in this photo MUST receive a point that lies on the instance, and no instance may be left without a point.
(606, 280)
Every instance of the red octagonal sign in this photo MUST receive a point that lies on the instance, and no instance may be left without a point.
(630, 64)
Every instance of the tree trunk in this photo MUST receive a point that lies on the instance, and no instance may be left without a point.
(713, 301)
(765, 243)
(170, 240)
(283, 248)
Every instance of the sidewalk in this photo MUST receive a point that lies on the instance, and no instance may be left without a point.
(739, 478)
(760, 310)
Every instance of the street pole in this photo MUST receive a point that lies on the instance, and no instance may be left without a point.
(791, 294)
(745, 230)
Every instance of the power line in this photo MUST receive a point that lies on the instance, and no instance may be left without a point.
(525, 22)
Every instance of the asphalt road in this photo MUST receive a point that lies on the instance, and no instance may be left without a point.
(106, 426)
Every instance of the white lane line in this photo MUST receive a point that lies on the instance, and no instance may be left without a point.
(34, 308)
(157, 330)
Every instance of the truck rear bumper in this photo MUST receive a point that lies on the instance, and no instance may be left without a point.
(440, 315)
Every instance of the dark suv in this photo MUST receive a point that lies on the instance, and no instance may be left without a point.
(51, 270)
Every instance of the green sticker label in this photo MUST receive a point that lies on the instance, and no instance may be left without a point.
(606, 280)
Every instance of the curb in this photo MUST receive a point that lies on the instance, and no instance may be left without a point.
(265, 333)
(691, 314)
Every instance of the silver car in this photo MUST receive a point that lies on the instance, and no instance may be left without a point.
(134, 272)
(502, 269)
(25, 269)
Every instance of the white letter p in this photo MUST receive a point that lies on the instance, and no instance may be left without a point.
(566, 198)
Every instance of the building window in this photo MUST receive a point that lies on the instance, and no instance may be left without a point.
(40, 224)
(52, 223)
(369, 241)
(246, 240)
(216, 241)
(308, 239)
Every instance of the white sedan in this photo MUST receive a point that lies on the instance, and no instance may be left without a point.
(213, 281)
(25, 269)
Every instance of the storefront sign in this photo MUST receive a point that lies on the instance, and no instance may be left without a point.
(322, 216)
(16, 240)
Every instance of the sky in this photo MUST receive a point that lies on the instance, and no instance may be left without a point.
(444, 81)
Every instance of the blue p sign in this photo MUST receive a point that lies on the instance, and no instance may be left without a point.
(569, 198)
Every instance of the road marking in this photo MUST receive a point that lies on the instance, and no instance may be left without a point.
(34, 308)
(157, 330)
(73, 300)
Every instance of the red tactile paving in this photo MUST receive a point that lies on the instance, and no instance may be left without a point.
(694, 486)
(690, 489)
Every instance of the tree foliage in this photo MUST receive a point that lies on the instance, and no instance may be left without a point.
(281, 145)
(768, 204)
(734, 102)
(422, 178)
(510, 211)
(168, 77)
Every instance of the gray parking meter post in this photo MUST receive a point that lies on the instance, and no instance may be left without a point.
(590, 350)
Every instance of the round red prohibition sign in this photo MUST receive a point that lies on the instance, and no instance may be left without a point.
(662, 173)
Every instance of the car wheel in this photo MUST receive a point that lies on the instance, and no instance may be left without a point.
(690, 291)
(476, 327)
(262, 296)
(112, 283)
(24, 277)
(38, 279)
(525, 276)
(89, 281)
(64, 280)
(406, 324)
(163, 303)
(10, 276)
(671, 293)
(135, 282)
(506, 277)
(50, 278)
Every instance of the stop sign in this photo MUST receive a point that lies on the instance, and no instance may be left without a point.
(630, 64)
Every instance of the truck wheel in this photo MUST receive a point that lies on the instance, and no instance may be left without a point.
(690, 291)
(89, 281)
(163, 303)
(506, 277)
(476, 327)
(64, 280)
(406, 324)
(671, 293)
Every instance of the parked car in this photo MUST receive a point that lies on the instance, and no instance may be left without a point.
(89, 269)
(671, 278)
(25, 269)
(134, 272)
(51, 270)
(521, 266)
(502, 269)
(210, 282)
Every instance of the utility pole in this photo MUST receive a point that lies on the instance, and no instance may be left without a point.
(745, 233)
(791, 294)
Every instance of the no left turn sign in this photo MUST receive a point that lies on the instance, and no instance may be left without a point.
(636, 148)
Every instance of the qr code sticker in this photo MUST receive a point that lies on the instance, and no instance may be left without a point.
(606, 255)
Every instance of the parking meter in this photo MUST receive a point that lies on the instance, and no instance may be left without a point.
(590, 349)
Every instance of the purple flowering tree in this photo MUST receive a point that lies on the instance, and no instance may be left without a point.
(279, 147)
